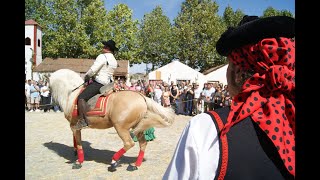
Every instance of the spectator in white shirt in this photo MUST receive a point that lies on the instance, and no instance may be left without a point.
(45, 95)
(157, 94)
(196, 100)
(27, 94)
(207, 96)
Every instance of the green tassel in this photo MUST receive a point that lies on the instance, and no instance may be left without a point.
(148, 135)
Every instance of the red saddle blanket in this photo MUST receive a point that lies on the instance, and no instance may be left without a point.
(100, 108)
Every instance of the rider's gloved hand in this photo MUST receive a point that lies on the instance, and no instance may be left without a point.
(86, 78)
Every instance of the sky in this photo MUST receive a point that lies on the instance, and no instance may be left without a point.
(172, 7)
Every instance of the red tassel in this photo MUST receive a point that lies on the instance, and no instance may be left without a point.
(75, 113)
(118, 154)
(140, 158)
(80, 155)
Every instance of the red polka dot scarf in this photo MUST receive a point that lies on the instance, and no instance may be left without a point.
(268, 96)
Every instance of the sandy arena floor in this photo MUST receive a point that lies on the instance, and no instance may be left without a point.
(49, 150)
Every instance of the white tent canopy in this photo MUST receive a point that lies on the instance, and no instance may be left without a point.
(177, 71)
(218, 75)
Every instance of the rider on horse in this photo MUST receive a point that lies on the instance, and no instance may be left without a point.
(101, 73)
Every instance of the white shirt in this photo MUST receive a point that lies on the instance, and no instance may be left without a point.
(103, 72)
(27, 89)
(157, 94)
(46, 93)
(208, 92)
(197, 93)
(197, 153)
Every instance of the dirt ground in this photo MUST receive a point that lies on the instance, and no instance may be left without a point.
(49, 150)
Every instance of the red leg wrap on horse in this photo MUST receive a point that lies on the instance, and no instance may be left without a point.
(80, 155)
(118, 154)
(74, 142)
(140, 158)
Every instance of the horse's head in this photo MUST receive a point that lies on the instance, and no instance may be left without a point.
(46, 78)
(61, 83)
(65, 79)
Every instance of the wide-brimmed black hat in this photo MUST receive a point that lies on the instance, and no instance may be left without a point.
(252, 29)
(111, 44)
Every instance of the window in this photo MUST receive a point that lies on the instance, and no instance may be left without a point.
(38, 42)
(27, 41)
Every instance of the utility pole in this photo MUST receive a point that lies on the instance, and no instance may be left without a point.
(146, 68)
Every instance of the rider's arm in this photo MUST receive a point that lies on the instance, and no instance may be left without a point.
(97, 65)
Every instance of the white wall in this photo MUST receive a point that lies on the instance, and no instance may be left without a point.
(28, 52)
(28, 64)
(39, 49)
(29, 32)
(178, 71)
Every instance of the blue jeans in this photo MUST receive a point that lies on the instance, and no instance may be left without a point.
(189, 107)
(56, 108)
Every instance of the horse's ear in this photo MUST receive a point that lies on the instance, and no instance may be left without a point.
(46, 77)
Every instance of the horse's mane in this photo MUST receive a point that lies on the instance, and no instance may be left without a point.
(61, 83)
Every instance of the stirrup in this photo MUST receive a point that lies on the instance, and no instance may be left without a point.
(81, 124)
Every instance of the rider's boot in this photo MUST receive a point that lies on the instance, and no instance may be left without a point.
(82, 120)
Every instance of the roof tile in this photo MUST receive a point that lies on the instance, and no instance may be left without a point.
(77, 65)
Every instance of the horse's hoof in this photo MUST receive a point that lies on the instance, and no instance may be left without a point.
(76, 165)
(113, 166)
(111, 169)
(132, 168)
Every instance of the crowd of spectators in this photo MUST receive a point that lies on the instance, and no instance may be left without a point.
(38, 97)
(185, 97)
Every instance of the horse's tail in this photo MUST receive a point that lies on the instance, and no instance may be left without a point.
(156, 116)
(167, 114)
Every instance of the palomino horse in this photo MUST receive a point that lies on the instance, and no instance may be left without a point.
(123, 110)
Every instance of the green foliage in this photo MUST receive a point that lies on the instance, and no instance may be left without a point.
(75, 29)
(124, 32)
(270, 11)
(156, 43)
(231, 18)
(197, 29)
(71, 29)
(95, 27)
(30, 8)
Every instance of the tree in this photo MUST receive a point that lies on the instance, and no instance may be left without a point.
(197, 28)
(231, 18)
(71, 28)
(124, 31)
(270, 11)
(31, 7)
(93, 21)
(156, 41)
(40, 11)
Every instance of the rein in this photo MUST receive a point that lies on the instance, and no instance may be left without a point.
(78, 86)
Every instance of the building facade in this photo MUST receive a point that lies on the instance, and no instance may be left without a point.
(33, 48)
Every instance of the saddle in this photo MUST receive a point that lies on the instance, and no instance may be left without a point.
(97, 104)
(104, 91)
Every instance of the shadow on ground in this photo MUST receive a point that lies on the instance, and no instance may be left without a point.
(90, 154)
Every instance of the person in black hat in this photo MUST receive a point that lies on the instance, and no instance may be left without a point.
(101, 73)
(254, 138)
